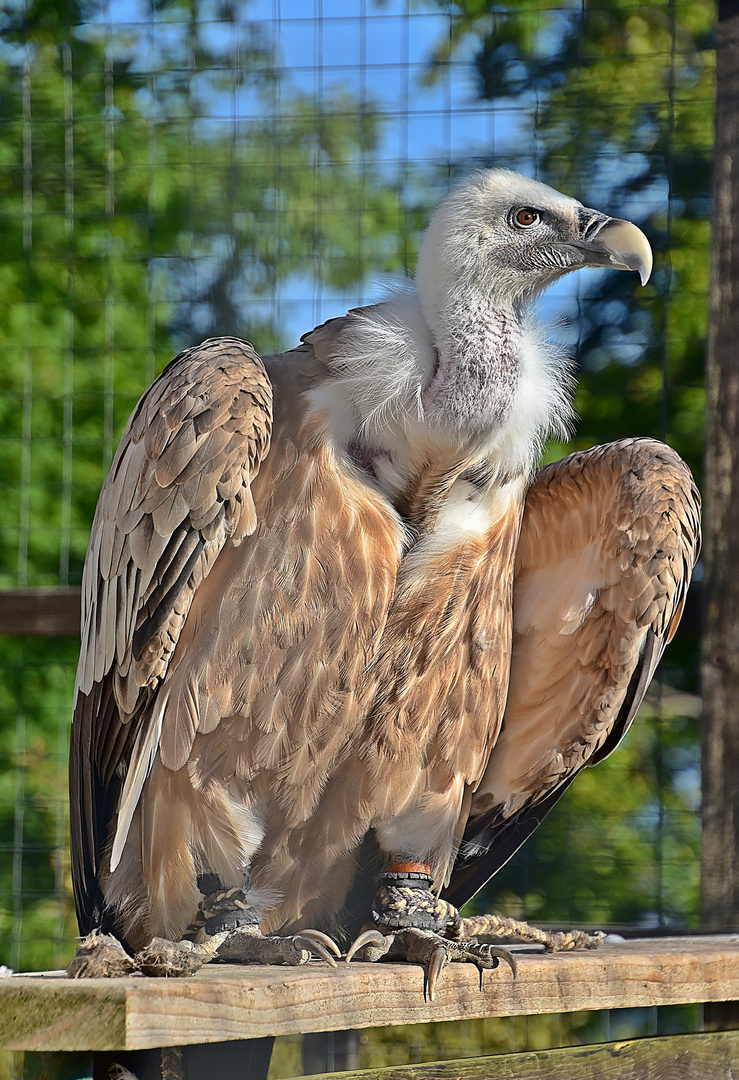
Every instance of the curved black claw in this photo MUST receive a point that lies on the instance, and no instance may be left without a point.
(435, 952)
(435, 967)
(374, 944)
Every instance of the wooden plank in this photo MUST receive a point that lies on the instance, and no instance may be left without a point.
(226, 1002)
(51, 1013)
(40, 612)
(677, 1057)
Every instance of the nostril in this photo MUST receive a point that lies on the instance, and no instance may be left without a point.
(593, 226)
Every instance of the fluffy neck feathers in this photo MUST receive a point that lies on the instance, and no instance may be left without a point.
(481, 382)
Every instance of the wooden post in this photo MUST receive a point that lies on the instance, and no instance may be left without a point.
(720, 645)
(40, 612)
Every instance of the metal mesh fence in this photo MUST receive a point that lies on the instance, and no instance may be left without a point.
(182, 168)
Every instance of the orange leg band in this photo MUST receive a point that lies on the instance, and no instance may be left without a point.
(409, 868)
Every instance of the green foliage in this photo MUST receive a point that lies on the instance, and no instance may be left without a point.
(621, 849)
(131, 229)
(37, 924)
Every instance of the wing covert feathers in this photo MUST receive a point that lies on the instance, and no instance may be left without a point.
(608, 543)
(178, 489)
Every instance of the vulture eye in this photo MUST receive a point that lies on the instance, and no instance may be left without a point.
(525, 217)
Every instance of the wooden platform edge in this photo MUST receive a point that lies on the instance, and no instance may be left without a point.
(679, 1057)
(225, 1002)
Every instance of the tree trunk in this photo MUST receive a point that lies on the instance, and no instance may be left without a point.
(720, 646)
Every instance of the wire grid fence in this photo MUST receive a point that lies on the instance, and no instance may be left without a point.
(178, 169)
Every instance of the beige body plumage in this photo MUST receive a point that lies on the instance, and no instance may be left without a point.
(300, 607)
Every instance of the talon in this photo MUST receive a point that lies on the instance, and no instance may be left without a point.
(303, 941)
(436, 966)
(322, 939)
(369, 937)
(509, 958)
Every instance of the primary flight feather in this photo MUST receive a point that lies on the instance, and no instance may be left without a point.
(335, 624)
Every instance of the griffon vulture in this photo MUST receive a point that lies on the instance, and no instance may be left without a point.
(343, 646)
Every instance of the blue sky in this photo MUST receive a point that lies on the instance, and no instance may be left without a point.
(378, 52)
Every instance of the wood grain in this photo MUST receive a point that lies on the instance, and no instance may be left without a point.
(225, 1002)
(40, 612)
(679, 1057)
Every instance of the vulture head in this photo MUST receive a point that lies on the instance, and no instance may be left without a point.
(503, 236)
(496, 241)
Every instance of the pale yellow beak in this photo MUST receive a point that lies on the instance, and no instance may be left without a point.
(626, 246)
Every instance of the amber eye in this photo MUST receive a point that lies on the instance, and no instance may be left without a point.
(525, 218)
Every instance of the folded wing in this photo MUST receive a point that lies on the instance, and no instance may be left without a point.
(609, 539)
(178, 490)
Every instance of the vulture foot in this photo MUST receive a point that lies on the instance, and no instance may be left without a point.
(247, 945)
(405, 899)
(504, 929)
(431, 950)
(413, 923)
(227, 926)
(101, 956)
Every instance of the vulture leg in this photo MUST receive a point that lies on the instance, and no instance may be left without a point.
(415, 925)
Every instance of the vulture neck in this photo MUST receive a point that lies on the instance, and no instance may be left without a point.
(474, 387)
(471, 381)
(498, 386)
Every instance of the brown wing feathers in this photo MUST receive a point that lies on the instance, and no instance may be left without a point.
(178, 489)
(608, 543)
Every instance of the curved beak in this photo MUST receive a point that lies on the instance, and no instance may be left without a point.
(606, 241)
(627, 247)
